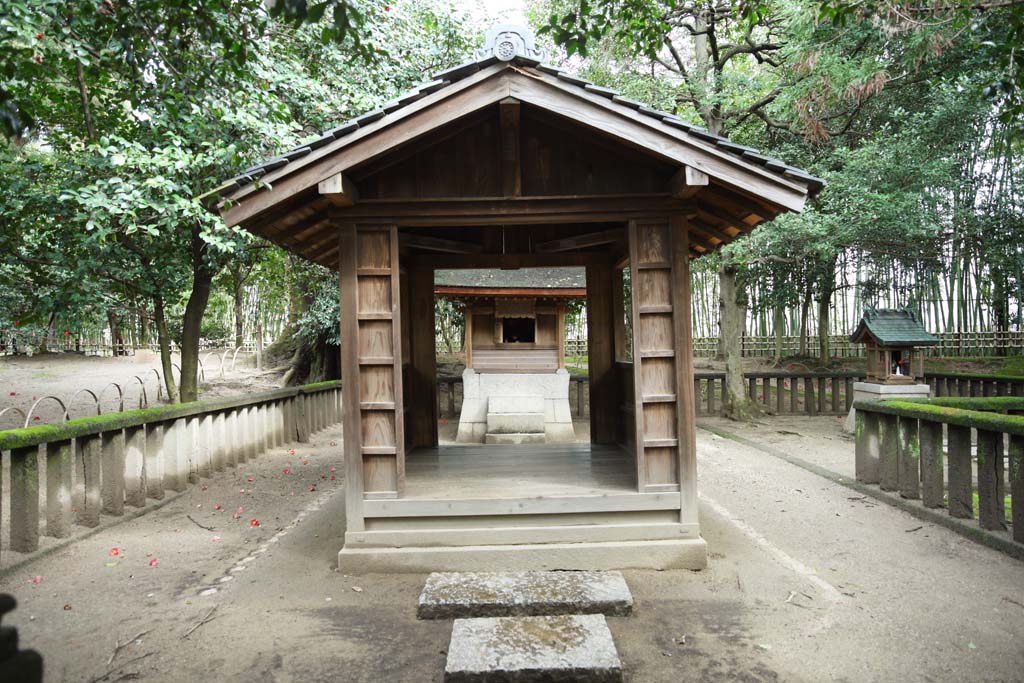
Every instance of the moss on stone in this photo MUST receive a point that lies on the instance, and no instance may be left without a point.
(924, 410)
(95, 424)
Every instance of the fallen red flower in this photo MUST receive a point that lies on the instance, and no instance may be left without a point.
(254, 522)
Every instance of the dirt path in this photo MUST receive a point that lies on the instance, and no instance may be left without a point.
(805, 583)
(23, 380)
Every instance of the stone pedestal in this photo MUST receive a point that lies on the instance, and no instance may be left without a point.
(869, 391)
(551, 389)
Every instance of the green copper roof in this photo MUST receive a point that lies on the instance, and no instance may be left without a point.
(893, 327)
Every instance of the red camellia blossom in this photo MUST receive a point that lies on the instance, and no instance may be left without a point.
(287, 471)
(152, 563)
(312, 487)
(114, 552)
(254, 522)
(216, 506)
(39, 36)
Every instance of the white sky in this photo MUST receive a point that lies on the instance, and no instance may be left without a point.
(487, 12)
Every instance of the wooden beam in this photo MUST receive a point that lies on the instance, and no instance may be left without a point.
(339, 190)
(511, 173)
(687, 182)
(454, 212)
(709, 229)
(686, 408)
(506, 261)
(429, 243)
(591, 239)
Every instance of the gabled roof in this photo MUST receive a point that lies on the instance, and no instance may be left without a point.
(509, 51)
(523, 278)
(893, 327)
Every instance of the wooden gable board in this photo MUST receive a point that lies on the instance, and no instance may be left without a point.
(487, 87)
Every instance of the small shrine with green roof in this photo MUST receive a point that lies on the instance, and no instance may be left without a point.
(893, 338)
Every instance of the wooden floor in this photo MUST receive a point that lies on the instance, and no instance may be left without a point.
(472, 471)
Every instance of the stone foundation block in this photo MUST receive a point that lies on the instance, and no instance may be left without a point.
(558, 648)
(452, 595)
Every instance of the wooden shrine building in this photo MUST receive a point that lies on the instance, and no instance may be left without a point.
(515, 384)
(505, 162)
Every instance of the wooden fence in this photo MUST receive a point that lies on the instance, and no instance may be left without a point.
(98, 465)
(778, 393)
(951, 344)
(923, 450)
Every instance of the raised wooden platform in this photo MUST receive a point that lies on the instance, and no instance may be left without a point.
(481, 471)
(552, 506)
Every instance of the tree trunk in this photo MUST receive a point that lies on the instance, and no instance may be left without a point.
(191, 328)
(805, 305)
(736, 405)
(143, 326)
(236, 293)
(778, 325)
(824, 352)
(116, 341)
(160, 321)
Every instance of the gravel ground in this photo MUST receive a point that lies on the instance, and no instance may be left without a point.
(23, 380)
(806, 582)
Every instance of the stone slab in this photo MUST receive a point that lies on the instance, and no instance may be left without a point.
(451, 595)
(515, 404)
(576, 647)
(515, 439)
(515, 423)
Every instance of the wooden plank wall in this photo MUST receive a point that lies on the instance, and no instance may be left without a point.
(655, 363)
(374, 355)
(604, 389)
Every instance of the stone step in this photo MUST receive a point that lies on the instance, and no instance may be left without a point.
(449, 595)
(573, 647)
(515, 439)
(515, 423)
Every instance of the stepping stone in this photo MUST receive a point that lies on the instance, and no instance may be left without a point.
(573, 647)
(453, 595)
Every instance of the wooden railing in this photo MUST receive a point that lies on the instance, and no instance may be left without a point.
(98, 465)
(961, 384)
(923, 450)
(807, 393)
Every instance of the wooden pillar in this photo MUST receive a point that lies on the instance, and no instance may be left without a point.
(619, 315)
(560, 334)
(686, 406)
(908, 466)
(423, 360)
(350, 380)
(959, 475)
(657, 368)
(604, 393)
(378, 357)
(469, 336)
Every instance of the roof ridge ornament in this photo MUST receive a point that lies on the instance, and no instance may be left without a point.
(505, 42)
